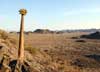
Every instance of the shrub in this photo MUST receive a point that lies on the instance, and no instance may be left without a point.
(74, 37)
(13, 41)
(83, 41)
(3, 34)
(31, 50)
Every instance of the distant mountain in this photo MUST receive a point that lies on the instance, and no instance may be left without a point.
(46, 31)
(80, 30)
(43, 31)
(65, 31)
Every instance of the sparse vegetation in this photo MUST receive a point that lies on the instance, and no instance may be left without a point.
(56, 52)
(3, 35)
(74, 37)
(83, 41)
(31, 50)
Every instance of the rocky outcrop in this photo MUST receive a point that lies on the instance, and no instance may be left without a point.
(95, 35)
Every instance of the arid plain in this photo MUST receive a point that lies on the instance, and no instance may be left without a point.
(65, 52)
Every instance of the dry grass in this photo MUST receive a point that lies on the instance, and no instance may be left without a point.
(65, 51)
(31, 50)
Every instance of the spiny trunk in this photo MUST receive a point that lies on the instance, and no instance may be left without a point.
(20, 60)
(21, 41)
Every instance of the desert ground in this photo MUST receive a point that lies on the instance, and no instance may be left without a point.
(64, 52)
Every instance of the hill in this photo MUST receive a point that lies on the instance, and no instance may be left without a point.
(95, 35)
(43, 31)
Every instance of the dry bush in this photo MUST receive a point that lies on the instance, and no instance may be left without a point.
(13, 40)
(83, 41)
(31, 50)
(3, 35)
(6, 36)
(74, 37)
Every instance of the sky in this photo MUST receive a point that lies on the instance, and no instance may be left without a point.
(50, 14)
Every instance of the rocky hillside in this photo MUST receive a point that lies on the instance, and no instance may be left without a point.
(35, 59)
(8, 56)
(95, 35)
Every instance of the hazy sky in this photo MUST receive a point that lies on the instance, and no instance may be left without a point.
(51, 14)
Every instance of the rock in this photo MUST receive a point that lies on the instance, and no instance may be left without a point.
(95, 35)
